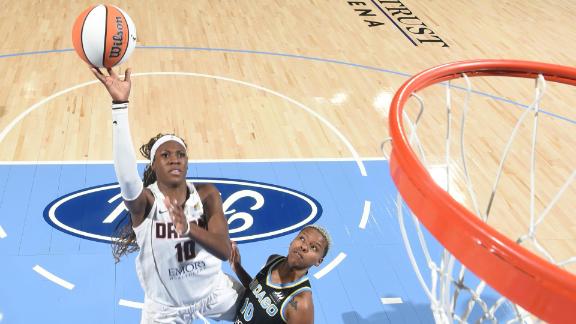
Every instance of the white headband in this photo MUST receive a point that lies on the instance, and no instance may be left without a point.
(162, 140)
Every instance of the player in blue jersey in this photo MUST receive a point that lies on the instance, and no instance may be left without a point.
(281, 291)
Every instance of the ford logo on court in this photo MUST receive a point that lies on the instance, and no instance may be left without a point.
(255, 211)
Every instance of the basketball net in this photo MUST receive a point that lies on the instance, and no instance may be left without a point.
(454, 277)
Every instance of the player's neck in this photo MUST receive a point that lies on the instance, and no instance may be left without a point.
(289, 274)
(178, 192)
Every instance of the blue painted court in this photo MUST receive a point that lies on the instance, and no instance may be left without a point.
(372, 283)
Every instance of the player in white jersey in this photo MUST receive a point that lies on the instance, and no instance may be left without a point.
(179, 228)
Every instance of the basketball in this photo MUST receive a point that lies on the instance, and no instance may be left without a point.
(104, 36)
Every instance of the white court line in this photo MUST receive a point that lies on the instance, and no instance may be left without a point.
(343, 139)
(320, 159)
(16, 120)
(330, 266)
(132, 304)
(2, 233)
(324, 121)
(43, 272)
(365, 214)
(391, 300)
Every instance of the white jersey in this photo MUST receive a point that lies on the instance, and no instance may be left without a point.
(174, 271)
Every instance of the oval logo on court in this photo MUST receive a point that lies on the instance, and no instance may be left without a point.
(255, 211)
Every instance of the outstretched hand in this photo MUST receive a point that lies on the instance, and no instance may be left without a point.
(235, 261)
(119, 89)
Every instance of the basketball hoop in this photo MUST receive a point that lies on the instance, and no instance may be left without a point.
(521, 276)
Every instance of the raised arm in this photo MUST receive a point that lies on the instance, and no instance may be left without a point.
(215, 239)
(236, 265)
(135, 198)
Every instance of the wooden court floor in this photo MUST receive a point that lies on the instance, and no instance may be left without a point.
(302, 80)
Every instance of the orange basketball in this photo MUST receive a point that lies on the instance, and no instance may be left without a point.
(104, 36)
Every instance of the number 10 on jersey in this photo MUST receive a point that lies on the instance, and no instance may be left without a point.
(185, 251)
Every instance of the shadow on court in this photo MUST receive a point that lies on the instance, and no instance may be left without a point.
(396, 313)
(421, 313)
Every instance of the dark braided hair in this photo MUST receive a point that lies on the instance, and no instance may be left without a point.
(125, 242)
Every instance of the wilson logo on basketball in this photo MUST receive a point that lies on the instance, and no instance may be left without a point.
(104, 36)
(255, 211)
(117, 45)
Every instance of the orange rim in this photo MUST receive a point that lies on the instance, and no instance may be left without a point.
(538, 286)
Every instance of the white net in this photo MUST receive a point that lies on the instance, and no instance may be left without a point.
(488, 158)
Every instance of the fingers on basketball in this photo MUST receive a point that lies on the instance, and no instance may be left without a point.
(98, 74)
(127, 74)
(112, 73)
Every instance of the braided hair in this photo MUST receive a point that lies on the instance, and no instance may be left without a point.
(125, 242)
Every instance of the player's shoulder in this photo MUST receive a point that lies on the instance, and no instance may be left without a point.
(208, 193)
(149, 194)
(305, 295)
(205, 189)
(301, 308)
(273, 258)
(305, 301)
